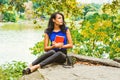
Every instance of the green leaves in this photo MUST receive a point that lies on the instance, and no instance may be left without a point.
(38, 48)
(97, 28)
(113, 8)
(68, 7)
(12, 71)
(9, 16)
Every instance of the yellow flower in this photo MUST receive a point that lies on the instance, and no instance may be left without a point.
(97, 25)
(117, 49)
(107, 23)
(92, 32)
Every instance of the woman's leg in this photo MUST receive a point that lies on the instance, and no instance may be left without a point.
(61, 59)
(43, 57)
(35, 64)
(57, 57)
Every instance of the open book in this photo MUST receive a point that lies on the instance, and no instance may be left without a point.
(59, 39)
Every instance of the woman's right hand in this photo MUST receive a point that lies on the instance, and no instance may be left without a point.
(57, 45)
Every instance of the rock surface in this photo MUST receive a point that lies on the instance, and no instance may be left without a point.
(106, 62)
(79, 71)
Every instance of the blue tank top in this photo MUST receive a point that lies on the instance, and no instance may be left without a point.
(53, 34)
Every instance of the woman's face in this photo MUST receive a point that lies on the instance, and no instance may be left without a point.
(58, 20)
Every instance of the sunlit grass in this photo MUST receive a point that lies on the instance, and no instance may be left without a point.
(24, 25)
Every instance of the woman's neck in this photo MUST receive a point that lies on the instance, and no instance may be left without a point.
(56, 28)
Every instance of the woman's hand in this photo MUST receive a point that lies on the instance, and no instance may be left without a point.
(53, 43)
(57, 45)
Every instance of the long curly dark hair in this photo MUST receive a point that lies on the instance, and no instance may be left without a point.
(51, 23)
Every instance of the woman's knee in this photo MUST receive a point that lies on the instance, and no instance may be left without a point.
(50, 52)
(61, 57)
(61, 53)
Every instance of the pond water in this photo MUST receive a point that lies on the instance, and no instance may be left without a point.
(15, 44)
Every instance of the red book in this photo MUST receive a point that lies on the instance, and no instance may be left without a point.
(59, 39)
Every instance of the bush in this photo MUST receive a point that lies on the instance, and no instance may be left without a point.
(12, 71)
(9, 16)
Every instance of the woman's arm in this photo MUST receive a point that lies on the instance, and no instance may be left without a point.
(70, 43)
(46, 42)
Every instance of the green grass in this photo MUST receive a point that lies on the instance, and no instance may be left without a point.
(24, 25)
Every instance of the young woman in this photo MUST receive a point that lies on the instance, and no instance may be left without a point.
(56, 52)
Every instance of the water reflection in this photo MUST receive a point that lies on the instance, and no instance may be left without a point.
(14, 45)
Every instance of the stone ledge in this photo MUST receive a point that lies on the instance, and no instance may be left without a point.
(79, 71)
(106, 62)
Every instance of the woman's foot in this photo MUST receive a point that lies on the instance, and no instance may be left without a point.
(35, 67)
(26, 71)
(31, 69)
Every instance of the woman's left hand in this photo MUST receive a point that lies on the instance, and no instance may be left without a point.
(57, 45)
